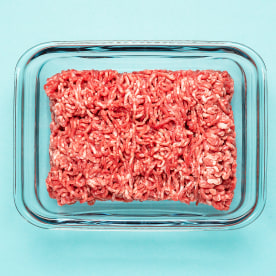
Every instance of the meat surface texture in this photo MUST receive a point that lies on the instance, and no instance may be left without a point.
(148, 135)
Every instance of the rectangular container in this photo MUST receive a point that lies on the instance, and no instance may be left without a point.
(32, 133)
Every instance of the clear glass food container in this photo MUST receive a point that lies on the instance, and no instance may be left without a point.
(32, 133)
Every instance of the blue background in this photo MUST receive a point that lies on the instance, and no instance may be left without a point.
(27, 250)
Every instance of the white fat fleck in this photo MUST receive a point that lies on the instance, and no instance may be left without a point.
(212, 157)
(101, 105)
(91, 182)
(162, 164)
(93, 149)
(214, 181)
(222, 126)
(204, 99)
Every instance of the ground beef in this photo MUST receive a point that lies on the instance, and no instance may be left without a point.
(148, 135)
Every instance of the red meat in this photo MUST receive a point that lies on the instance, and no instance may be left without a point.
(149, 135)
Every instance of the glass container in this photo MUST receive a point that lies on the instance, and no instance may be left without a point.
(32, 133)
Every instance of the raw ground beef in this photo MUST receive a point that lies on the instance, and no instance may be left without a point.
(149, 135)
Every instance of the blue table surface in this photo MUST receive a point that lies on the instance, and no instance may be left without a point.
(27, 250)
